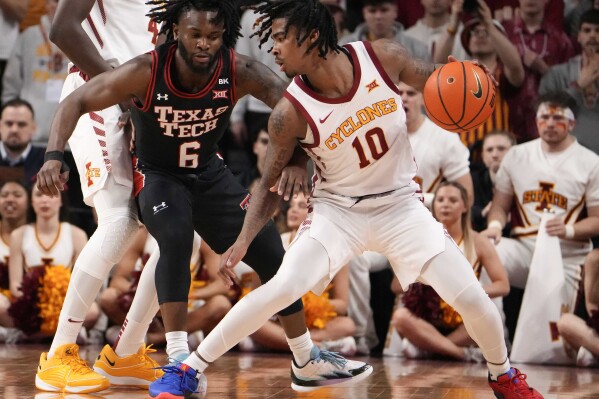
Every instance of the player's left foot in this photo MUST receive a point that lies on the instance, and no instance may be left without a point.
(327, 369)
(178, 382)
(136, 370)
(512, 385)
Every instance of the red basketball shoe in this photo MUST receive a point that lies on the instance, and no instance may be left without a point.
(512, 385)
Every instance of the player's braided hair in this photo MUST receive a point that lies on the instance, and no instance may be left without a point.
(168, 13)
(305, 16)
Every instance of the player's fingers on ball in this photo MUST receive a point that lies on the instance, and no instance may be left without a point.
(57, 183)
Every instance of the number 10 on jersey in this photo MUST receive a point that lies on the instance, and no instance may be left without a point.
(377, 144)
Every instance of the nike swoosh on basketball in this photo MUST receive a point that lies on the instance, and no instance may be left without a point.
(75, 321)
(323, 120)
(108, 360)
(479, 92)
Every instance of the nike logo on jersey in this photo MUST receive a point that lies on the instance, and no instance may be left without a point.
(159, 207)
(323, 120)
(161, 96)
(75, 321)
(109, 362)
(479, 92)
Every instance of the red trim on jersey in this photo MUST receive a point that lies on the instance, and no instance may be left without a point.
(75, 69)
(102, 10)
(96, 117)
(307, 117)
(139, 179)
(233, 66)
(201, 93)
(339, 100)
(96, 34)
(150, 91)
(377, 63)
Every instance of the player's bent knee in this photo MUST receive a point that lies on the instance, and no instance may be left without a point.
(473, 302)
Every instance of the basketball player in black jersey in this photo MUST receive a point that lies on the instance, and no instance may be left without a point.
(183, 94)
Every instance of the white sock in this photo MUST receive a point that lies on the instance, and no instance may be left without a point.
(497, 369)
(196, 363)
(143, 309)
(128, 341)
(82, 291)
(176, 344)
(301, 347)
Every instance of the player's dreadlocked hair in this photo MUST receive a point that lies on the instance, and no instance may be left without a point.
(305, 16)
(168, 13)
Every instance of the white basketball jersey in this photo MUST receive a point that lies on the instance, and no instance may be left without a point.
(439, 155)
(358, 142)
(564, 183)
(60, 252)
(120, 29)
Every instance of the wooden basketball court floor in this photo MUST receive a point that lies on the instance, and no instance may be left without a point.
(252, 376)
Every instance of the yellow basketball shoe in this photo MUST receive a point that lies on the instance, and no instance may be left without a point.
(66, 372)
(137, 370)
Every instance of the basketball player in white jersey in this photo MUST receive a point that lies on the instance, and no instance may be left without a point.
(343, 106)
(96, 36)
(561, 176)
(440, 155)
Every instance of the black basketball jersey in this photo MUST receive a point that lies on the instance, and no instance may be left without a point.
(178, 131)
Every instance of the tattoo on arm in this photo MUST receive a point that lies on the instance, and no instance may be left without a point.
(423, 68)
(259, 81)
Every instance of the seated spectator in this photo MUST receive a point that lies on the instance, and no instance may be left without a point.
(14, 201)
(326, 316)
(430, 146)
(580, 78)
(19, 159)
(574, 14)
(379, 17)
(249, 176)
(35, 72)
(495, 146)
(552, 173)
(428, 325)
(434, 24)
(581, 335)
(37, 248)
(208, 295)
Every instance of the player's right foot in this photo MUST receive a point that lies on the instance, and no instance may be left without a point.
(326, 369)
(513, 385)
(66, 372)
(136, 370)
(179, 382)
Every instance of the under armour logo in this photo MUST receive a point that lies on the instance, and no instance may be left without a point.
(159, 207)
(160, 96)
(223, 81)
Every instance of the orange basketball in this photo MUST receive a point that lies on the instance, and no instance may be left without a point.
(459, 96)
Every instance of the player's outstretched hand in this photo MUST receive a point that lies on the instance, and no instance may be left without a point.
(50, 180)
(293, 180)
(229, 260)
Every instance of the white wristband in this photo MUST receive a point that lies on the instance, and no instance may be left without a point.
(495, 223)
(570, 232)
